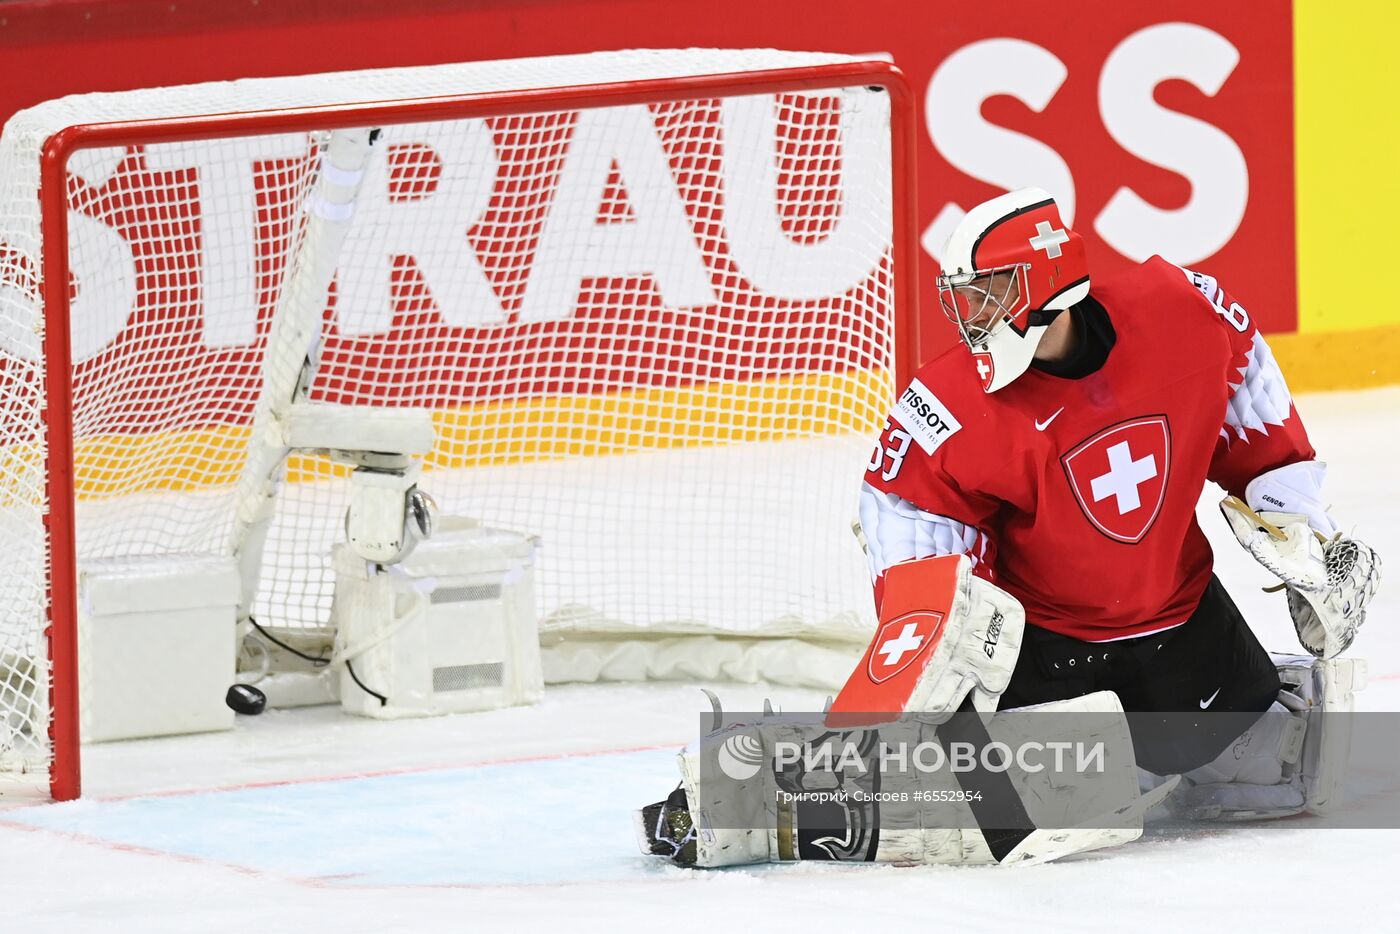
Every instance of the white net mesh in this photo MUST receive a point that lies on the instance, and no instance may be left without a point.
(658, 336)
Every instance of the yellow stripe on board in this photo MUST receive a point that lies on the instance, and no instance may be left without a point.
(1327, 360)
(522, 431)
(167, 461)
(552, 428)
(661, 419)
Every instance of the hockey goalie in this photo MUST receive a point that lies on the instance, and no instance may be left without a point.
(1034, 493)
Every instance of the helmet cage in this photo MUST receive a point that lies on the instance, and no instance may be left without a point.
(980, 306)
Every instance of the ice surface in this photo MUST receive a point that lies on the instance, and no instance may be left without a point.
(519, 819)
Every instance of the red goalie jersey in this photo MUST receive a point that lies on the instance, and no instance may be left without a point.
(1078, 496)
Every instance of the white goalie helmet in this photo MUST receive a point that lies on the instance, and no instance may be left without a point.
(1009, 268)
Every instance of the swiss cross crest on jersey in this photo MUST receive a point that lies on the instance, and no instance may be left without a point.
(902, 640)
(1119, 476)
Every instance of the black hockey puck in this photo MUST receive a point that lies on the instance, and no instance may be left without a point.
(244, 698)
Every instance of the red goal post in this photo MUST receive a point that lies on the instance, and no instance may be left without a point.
(55, 197)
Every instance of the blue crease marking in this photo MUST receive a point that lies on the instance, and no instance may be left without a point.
(550, 821)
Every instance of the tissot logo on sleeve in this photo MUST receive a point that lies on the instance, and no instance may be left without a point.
(925, 417)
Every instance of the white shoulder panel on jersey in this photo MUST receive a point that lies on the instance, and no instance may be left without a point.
(1260, 397)
(896, 530)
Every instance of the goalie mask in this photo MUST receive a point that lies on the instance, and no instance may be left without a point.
(1009, 268)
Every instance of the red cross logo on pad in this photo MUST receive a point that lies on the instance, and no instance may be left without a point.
(1119, 476)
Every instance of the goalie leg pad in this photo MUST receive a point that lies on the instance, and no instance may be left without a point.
(1323, 691)
(1294, 758)
(759, 818)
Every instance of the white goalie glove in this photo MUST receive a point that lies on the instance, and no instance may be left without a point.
(1329, 576)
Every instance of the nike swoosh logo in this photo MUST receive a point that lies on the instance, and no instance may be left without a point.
(1041, 426)
(1209, 700)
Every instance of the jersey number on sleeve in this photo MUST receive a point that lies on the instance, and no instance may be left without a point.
(1210, 288)
(899, 440)
(1236, 315)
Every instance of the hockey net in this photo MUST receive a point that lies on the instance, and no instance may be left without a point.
(649, 297)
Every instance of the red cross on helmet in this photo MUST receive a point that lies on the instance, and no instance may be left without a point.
(1009, 268)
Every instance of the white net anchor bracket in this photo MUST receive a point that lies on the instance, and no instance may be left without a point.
(352, 433)
(388, 514)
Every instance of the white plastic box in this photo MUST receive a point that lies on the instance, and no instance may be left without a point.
(450, 629)
(157, 638)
